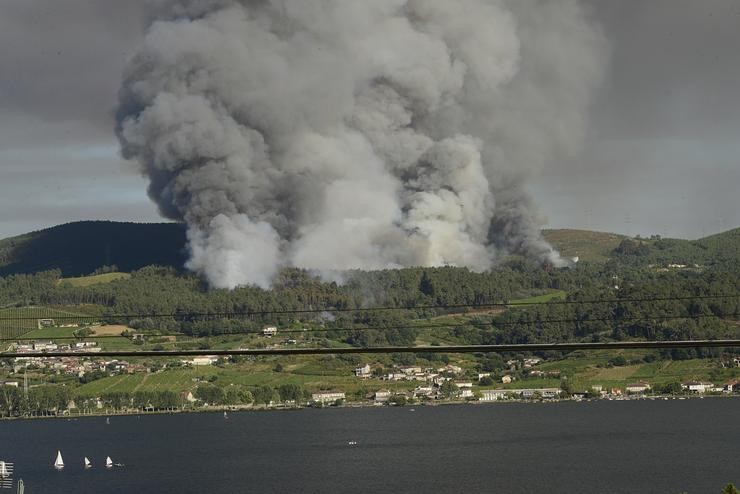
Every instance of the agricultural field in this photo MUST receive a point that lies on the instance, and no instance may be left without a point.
(251, 374)
(17, 321)
(540, 299)
(586, 245)
(95, 279)
(171, 380)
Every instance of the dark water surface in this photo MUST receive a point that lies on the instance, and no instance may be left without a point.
(617, 447)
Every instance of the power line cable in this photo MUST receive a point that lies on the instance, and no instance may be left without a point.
(524, 347)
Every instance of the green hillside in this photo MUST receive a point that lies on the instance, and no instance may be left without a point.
(586, 245)
(80, 248)
(95, 279)
(721, 249)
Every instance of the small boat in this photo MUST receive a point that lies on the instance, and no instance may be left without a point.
(108, 462)
(87, 463)
(59, 463)
(352, 443)
(226, 415)
(107, 420)
(4, 474)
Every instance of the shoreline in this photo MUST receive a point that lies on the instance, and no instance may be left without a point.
(250, 408)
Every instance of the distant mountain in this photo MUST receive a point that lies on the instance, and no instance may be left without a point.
(82, 247)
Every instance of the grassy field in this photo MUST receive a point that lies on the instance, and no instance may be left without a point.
(187, 379)
(587, 245)
(50, 333)
(16, 321)
(95, 279)
(177, 380)
(540, 299)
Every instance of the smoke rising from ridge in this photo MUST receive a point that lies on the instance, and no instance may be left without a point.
(341, 134)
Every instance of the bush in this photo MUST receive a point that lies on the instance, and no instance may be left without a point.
(618, 361)
(485, 381)
(399, 400)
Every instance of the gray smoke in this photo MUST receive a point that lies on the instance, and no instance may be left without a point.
(342, 134)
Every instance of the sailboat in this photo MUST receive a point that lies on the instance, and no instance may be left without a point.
(59, 463)
(226, 415)
(87, 463)
(108, 462)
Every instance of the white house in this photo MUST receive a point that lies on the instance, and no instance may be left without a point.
(493, 394)
(188, 396)
(697, 386)
(410, 370)
(452, 369)
(327, 396)
(363, 372)
(269, 331)
(382, 396)
(506, 379)
(45, 346)
(423, 391)
(638, 387)
(202, 360)
(544, 392)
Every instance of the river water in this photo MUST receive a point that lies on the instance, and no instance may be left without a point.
(646, 446)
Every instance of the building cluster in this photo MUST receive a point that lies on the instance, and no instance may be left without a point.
(50, 346)
(413, 373)
(77, 366)
(431, 380)
(528, 393)
(698, 387)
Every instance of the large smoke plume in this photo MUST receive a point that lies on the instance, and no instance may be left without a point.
(340, 134)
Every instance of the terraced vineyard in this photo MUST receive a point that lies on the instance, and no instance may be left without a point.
(19, 321)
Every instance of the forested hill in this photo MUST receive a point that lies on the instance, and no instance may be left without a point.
(82, 247)
(722, 249)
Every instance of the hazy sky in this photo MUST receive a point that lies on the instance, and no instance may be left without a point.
(662, 155)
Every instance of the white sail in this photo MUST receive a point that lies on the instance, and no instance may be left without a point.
(108, 462)
(87, 463)
(59, 463)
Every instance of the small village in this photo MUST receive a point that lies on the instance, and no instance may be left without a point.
(393, 386)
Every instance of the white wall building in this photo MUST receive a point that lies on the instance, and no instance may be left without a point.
(493, 394)
(363, 372)
(327, 396)
(269, 331)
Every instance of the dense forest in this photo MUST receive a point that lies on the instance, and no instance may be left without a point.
(654, 288)
(640, 302)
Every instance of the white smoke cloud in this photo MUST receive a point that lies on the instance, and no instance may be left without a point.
(342, 134)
